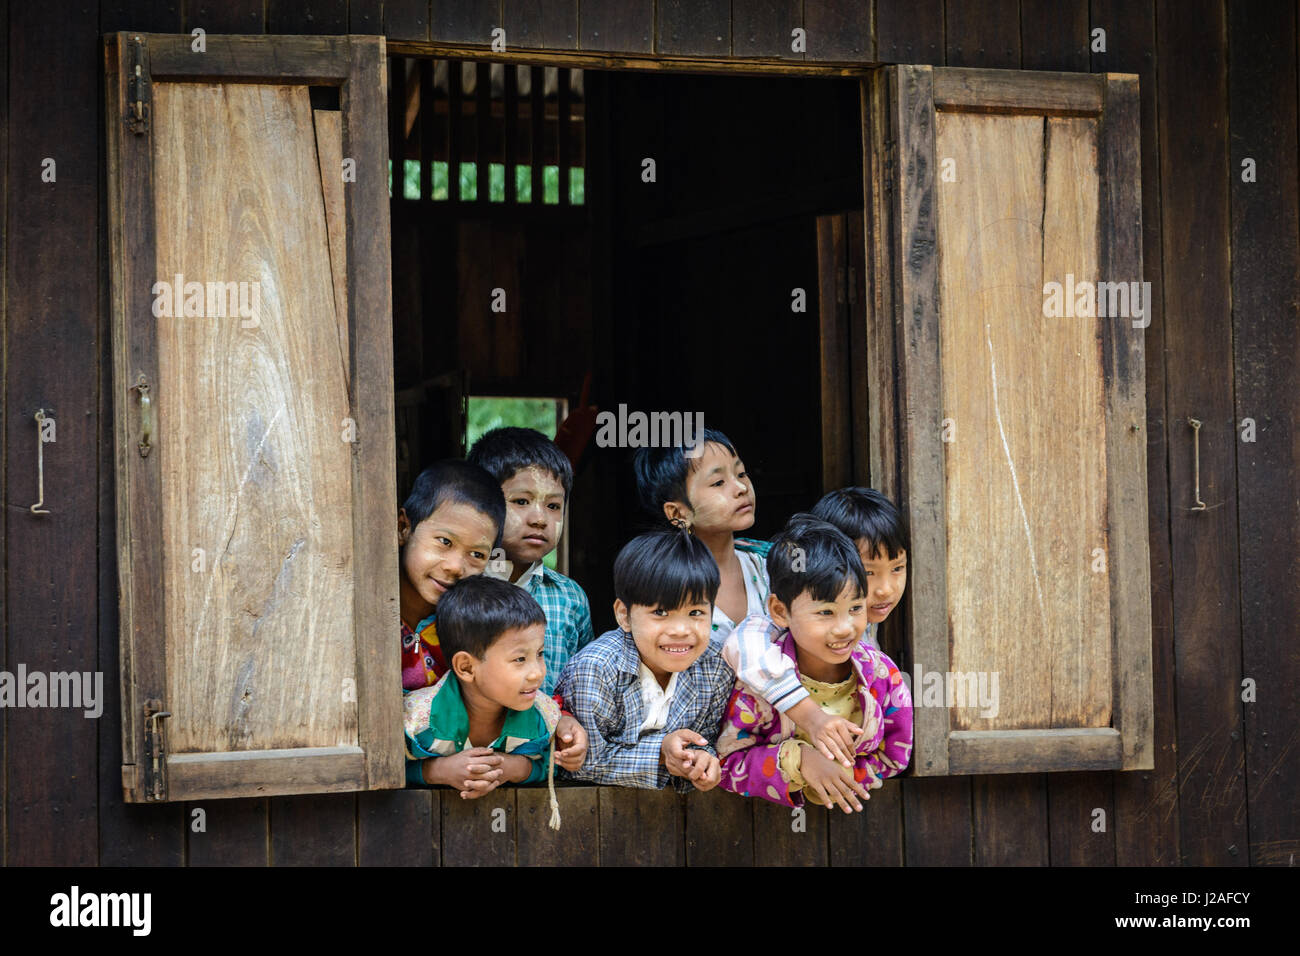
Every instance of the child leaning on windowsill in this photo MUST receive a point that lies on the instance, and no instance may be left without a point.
(818, 599)
(878, 530)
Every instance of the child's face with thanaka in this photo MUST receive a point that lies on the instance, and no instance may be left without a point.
(452, 543)
(825, 632)
(721, 496)
(534, 516)
(668, 640)
(886, 580)
(510, 671)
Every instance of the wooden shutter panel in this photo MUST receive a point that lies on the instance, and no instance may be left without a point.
(1016, 441)
(256, 505)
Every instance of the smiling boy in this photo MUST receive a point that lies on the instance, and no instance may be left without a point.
(651, 692)
(486, 722)
(446, 531)
(818, 601)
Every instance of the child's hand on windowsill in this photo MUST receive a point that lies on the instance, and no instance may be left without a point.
(570, 743)
(834, 737)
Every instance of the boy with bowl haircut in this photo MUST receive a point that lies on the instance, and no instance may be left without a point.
(535, 478)
(486, 722)
(878, 530)
(447, 528)
(819, 601)
(651, 692)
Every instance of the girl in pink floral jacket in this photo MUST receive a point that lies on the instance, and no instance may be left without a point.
(817, 597)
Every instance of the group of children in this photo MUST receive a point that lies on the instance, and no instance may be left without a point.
(744, 664)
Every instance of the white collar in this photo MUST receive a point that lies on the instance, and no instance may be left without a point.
(534, 570)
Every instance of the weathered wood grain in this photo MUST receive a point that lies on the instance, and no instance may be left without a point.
(693, 27)
(234, 833)
(1195, 173)
(1146, 818)
(550, 24)
(910, 31)
(719, 829)
(406, 19)
(1009, 92)
(1266, 343)
(641, 827)
(577, 841)
(50, 355)
(790, 837)
(250, 412)
(873, 837)
(314, 830)
(765, 27)
(479, 832)
(287, 17)
(399, 827)
(983, 33)
(838, 30)
(833, 344)
(1009, 816)
(1031, 751)
(300, 59)
(624, 26)
(1080, 836)
(937, 821)
(329, 155)
(1054, 35)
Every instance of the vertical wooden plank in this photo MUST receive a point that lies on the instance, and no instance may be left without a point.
(577, 841)
(479, 832)
(790, 837)
(482, 133)
(51, 599)
(873, 837)
(859, 350)
(234, 833)
(983, 33)
(833, 340)
(4, 330)
(1009, 819)
(397, 96)
(455, 126)
(719, 829)
(1265, 292)
(374, 493)
(510, 132)
(1146, 803)
(537, 127)
(693, 27)
(1194, 192)
(838, 30)
(464, 21)
(406, 19)
(765, 27)
(622, 26)
(910, 31)
(425, 122)
(1054, 35)
(228, 16)
(534, 24)
(153, 16)
(937, 818)
(307, 16)
(1080, 835)
(314, 830)
(563, 108)
(399, 827)
(641, 827)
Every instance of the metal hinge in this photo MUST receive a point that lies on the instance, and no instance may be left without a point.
(155, 751)
(138, 90)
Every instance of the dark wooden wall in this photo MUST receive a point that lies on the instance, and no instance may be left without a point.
(1219, 84)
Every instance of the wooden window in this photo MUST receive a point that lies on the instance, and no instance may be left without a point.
(253, 394)
(1015, 439)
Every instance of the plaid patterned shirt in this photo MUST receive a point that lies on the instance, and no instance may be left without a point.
(568, 619)
(602, 688)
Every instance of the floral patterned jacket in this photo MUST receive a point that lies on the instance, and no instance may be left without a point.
(752, 731)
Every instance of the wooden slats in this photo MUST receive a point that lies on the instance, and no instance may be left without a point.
(314, 830)
(983, 33)
(982, 91)
(692, 27)
(307, 17)
(464, 21)
(1266, 343)
(227, 833)
(399, 827)
(537, 130)
(483, 132)
(1030, 751)
(224, 16)
(910, 31)
(551, 24)
(765, 27)
(838, 30)
(200, 776)
(563, 107)
(624, 26)
(307, 60)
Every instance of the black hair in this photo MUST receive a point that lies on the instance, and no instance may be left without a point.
(665, 569)
(864, 514)
(661, 472)
(460, 482)
(503, 452)
(813, 556)
(477, 610)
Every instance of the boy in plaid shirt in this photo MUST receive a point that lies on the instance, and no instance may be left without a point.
(536, 479)
(652, 692)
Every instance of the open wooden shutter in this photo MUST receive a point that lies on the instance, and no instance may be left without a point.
(256, 503)
(1015, 440)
